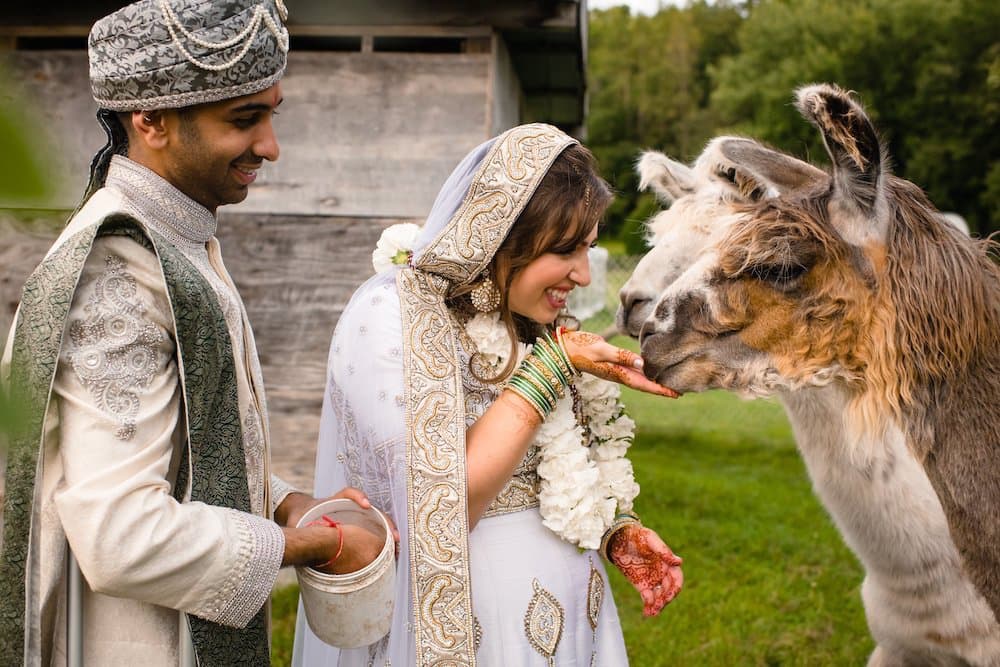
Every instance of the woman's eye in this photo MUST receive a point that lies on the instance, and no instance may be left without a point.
(593, 244)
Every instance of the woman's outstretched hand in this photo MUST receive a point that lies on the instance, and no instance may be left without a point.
(590, 353)
(649, 564)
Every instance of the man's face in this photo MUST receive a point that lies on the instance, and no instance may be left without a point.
(217, 148)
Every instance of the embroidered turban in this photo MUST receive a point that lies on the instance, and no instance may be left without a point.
(167, 54)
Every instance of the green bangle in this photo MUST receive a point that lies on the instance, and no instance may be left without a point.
(525, 384)
(530, 395)
(546, 356)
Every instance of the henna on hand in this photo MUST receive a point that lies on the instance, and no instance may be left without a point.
(648, 564)
(610, 363)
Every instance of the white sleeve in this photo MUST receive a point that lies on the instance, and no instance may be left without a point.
(280, 489)
(118, 394)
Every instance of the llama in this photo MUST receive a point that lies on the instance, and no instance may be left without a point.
(877, 325)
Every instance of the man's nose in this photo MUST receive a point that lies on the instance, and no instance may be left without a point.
(266, 145)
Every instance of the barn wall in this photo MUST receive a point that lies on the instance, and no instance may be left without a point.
(506, 90)
(361, 134)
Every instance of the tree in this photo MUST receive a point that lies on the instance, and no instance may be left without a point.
(650, 88)
(928, 71)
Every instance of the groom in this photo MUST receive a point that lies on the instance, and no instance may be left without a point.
(146, 451)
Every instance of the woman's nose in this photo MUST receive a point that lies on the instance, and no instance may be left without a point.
(581, 270)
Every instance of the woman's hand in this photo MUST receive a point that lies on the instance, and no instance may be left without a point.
(590, 353)
(649, 564)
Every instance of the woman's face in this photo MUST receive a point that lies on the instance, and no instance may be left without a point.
(539, 290)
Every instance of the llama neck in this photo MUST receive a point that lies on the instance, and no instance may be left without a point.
(874, 489)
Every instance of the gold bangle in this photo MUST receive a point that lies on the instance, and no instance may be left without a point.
(620, 522)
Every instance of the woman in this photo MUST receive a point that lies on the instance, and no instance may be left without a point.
(435, 409)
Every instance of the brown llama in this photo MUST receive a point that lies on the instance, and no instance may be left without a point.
(877, 324)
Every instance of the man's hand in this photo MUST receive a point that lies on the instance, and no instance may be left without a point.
(316, 545)
(649, 564)
(295, 505)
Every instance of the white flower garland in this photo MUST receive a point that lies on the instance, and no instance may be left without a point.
(583, 485)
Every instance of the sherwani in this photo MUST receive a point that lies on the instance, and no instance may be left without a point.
(114, 442)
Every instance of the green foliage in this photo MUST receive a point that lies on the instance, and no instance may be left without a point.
(21, 178)
(284, 606)
(22, 173)
(768, 581)
(649, 87)
(928, 71)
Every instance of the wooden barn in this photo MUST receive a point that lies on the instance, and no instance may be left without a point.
(382, 99)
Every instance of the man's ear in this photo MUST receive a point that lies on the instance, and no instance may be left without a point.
(150, 128)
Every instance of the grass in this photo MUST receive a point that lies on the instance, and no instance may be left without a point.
(768, 581)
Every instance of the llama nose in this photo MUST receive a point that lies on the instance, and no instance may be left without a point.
(632, 312)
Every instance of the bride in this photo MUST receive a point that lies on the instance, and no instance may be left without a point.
(492, 438)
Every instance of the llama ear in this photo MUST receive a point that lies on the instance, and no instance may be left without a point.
(670, 180)
(851, 141)
(761, 171)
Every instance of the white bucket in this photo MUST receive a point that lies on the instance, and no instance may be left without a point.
(354, 609)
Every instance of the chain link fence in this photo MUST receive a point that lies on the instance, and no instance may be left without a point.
(596, 304)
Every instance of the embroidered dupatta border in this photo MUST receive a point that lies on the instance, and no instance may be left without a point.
(437, 502)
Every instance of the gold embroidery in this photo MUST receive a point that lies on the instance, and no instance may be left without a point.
(543, 622)
(444, 625)
(521, 492)
(595, 596)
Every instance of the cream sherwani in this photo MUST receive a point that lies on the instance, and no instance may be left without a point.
(114, 437)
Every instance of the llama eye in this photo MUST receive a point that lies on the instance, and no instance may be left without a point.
(728, 175)
(779, 275)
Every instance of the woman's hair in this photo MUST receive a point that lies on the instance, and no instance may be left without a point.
(570, 199)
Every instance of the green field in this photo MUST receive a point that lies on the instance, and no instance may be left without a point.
(767, 579)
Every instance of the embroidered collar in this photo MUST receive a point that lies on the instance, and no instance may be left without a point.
(170, 212)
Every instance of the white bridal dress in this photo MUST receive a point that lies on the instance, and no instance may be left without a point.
(511, 593)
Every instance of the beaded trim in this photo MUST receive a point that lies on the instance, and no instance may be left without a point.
(247, 36)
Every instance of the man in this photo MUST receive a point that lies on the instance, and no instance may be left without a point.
(146, 453)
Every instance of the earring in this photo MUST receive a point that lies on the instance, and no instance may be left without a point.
(485, 296)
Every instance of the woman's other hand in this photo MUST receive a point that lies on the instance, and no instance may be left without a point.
(590, 353)
(649, 564)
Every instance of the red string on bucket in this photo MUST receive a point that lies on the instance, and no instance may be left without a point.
(330, 523)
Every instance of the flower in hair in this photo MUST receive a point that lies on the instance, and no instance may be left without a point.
(395, 246)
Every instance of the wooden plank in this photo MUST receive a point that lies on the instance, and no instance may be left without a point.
(372, 134)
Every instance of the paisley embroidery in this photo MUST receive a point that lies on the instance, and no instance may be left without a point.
(543, 622)
(595, 596)
(253, 447)
(114, 351)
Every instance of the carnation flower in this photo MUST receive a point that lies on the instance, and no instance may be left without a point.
(395, 246)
